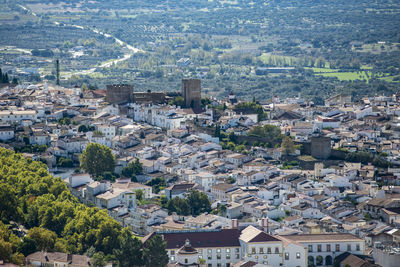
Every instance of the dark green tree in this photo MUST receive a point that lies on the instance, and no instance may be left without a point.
(139, 194)
(132, 169)
(155, 253)
(198, 202)
(98, 259)
(97, 159)
(130, 252)
(83, 128)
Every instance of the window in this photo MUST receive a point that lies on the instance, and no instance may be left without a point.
(328, 247)
(269, 250)
(265, 256)
(209, 257)
(228, 250)
(200, 251)
(219, 265)
(228, 256)
(309, 248)
(337, 247)
(209, 251)
(286, 256)
(186, 260)
(237, 250)
(253, 250)
(200, 256)
(172, 252)
(348, 247)
(172, 258)
(261, 250)
(298, 255)
(218, 250)
(218, 256)
(237, 256)
(319, 248)
(358, 247)
(276, 250)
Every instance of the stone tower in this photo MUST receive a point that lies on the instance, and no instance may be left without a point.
(191, 92)
(119, 93)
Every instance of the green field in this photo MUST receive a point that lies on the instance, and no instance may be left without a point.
(348, 76)
(343, 75)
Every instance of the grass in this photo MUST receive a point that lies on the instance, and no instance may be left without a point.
(322, 70)
(363, 74)
(390, 78)
(348, 76)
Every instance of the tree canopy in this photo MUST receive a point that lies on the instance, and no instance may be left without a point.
(97, 159)
(194, 203)
(56, 220)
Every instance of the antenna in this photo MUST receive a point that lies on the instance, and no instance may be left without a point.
(58, 71)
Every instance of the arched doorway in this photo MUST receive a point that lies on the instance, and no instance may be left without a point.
(311, 261)
(319, 260)
(328, 260)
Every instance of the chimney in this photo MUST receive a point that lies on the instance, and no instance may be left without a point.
(265, 224)
(234, 224)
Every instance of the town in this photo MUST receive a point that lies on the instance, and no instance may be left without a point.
(225, 182)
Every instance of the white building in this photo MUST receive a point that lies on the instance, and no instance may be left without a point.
(323, 248)
(9, 117)
(6, 133)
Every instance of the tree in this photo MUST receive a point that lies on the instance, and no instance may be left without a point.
(287, 145)
(44, 239)
(198, 202)
(221, 210)
(139, 194)
(130, 252)
(217, 132)
(158, 184)
(8, 202)
(83, 128)
(84, 87)
(98, 260)
(179, 206)
(178, 101)
(27, 246)
(155, 253)
(367, 216)
(132, 169)
(97, 159)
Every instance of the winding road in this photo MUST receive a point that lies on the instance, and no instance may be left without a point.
(128, 54)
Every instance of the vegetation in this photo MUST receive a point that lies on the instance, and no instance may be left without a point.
(288, 146)
(134, 168)
(97, 159)
(195, 203)
(350, 51)
(54, 217)
(365, 157)
(157, 184)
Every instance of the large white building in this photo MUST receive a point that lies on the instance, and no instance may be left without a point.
(10, 117)
(226, 247)
(323, 248)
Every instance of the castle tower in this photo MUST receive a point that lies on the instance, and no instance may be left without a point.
(191, 92)
(119, 93)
